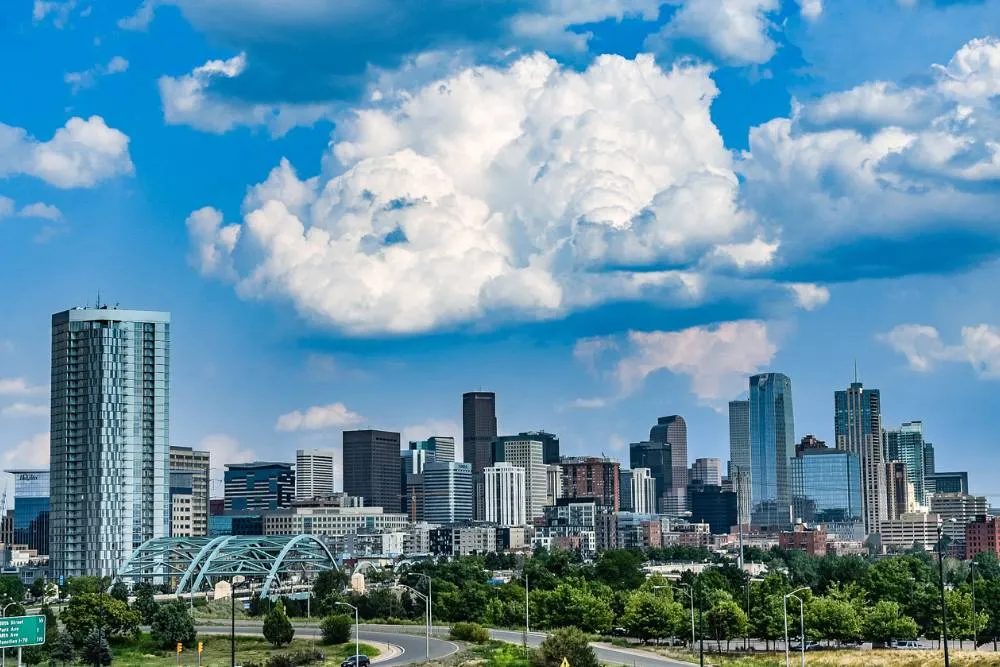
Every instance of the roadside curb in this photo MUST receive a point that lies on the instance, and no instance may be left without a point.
(391, 652)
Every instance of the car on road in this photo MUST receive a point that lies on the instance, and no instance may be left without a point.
(362, 661)
(810, 646)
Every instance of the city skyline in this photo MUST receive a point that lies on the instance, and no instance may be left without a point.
(165, 162)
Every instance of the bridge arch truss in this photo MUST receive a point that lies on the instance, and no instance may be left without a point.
(192, 565)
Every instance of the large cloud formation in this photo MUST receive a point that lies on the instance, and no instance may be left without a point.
(525, 191)
(881, 162)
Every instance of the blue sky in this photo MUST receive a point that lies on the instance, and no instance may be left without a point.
(603, 211)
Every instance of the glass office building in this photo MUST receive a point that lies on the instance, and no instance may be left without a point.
(772, 447)
(906, 444)
(31, 509)
(109, 447)
(826, 487)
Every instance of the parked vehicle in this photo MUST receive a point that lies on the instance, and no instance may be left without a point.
(362, 661)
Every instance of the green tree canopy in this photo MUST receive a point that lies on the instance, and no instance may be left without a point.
(725, 621)
(95, 649)
(90, 611)
(11, 589)
(651, 616)
(568, 644)
(828, 618)
(277, 628)
(63, 650)
(171, 625)
(885, 622)
(336, 629)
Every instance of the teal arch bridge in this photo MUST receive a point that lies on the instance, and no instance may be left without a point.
(193, 565)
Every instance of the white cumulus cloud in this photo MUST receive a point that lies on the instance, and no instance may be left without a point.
(40, 210)
(738, 32)
(19, 387)
(30, 453)
(88, 77)
(923, 347)
(81, 154)
(21, 409)
(503, 191)
(188, 100)
(716, 359)
(433, 427)
(810, 296)
(334, 415)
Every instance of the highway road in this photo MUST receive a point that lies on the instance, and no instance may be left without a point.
(412, 647)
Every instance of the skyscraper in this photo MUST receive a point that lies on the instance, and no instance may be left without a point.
(31, 509)
(708, 471)
(642, 491)
(906, 444)
(198, 463)
(371, 468)
(592, 477)
(928, 460)
(772, 446)
(313, 473)
(550, 444)
(857, 428)
(444, 447)
(739, 457)
(479, 428)
(447, 492)
(826, 487)
(673, 431)
(411, 479)
(505, 499)
(656, 456)
(526, 453)
(258, 486)
(109, 451)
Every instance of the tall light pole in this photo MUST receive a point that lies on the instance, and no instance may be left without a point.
(233, 583)
(802, 628)
(944, 608)
(357, 631)
(526, 609)
(975, 623)
(430, 596)
(427, 617)
(784, 606)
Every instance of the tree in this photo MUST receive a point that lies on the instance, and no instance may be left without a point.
(120, 591)
(278, 629)
(328, 587)
(11, 589)
(621, 569)
(336, 628)
(885, 622)
(81, 585)
(726, 621)
(62, 650)
(574, 603)
(833, 620)
(565, 644)
(38, 588)
(95, 649)
(90, 611)
(145, 602)
(172, 625)
(651, 616)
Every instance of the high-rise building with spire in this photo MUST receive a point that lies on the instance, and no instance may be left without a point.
(739, 457)
(858, 429)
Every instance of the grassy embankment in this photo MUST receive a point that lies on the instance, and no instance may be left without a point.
(848, 658)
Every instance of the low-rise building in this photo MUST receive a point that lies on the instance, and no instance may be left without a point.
(333, 521)
(982, 535)
(463, 540)
(956, 510)
(911, 528)
(802, 537)
(638, 531)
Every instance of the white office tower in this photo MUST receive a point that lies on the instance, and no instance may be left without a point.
(643, 491)
(526, 454)
(505, 495)
(553, 485)
(109, 451)
(313, 473)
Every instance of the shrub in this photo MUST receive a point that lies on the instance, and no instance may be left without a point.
(568, 643)
(336, 629)
(470, 632)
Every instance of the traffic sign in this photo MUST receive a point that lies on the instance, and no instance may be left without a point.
(565, 663)
(22, 631)
(201, 647)
(180, 647)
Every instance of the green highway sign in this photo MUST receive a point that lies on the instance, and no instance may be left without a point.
(22, 631)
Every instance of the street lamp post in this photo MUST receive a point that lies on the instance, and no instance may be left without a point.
(233, 583)
(527, 618)
(784, 606)
(944, 608)
(427, 617)
(357, 631)
(802, 628)
(430, 597)
(975, 629)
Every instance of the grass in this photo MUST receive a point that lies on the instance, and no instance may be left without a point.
(143, 653)
(847, 658)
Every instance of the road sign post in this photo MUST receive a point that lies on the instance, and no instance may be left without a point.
(20, 631)
(201, 647)
(180, 649)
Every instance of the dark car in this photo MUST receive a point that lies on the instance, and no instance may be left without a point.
(362, 661)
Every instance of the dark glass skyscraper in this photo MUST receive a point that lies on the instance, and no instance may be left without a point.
(110, 425)
(258, 486)
(673, 431)
(31, 509)
(479, 428)
(371, 468)
(772, 447)
(857, 427)
(906, 444)
(739, 457)
(826, 486)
